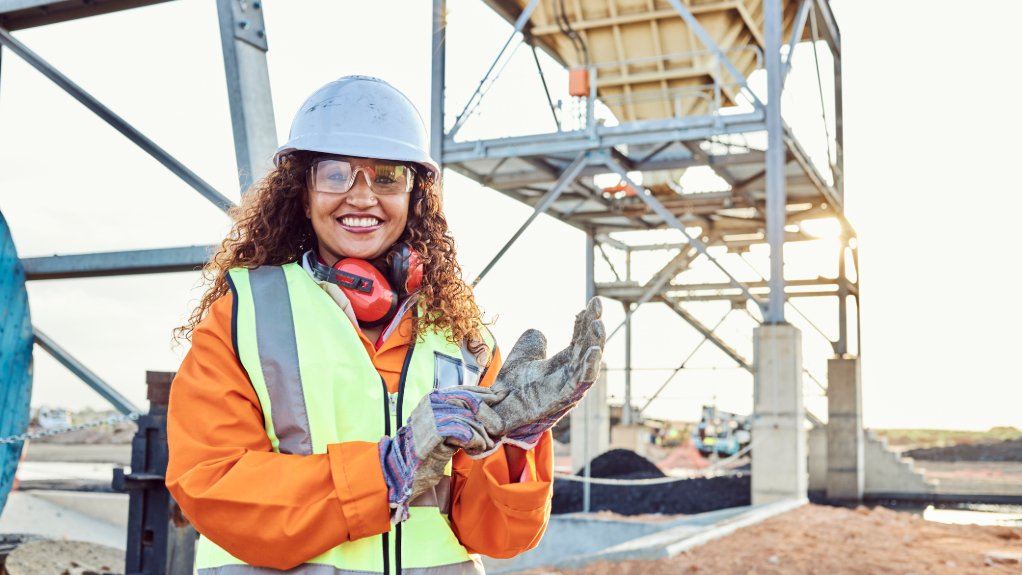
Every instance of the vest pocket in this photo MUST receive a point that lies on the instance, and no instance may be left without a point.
(449, 371)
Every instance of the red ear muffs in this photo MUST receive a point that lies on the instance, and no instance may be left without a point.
(370, 294)
(372, 298)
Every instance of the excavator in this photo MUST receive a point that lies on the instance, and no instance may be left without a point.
(721, 433)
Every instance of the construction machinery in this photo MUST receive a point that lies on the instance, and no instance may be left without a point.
(721, 433)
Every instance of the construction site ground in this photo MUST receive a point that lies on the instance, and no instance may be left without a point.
(809, 539)
(818, 540)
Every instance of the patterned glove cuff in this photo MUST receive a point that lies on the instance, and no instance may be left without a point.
(399, 462)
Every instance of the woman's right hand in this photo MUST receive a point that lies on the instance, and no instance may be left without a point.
(414, 458)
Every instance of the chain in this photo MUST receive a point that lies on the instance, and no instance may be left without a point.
(112, 420)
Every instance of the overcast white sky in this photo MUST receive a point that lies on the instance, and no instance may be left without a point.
(930, 138)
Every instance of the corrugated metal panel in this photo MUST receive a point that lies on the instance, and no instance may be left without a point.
(15, 357)
(650, 64)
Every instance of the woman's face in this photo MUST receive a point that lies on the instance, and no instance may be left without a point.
(358, 223)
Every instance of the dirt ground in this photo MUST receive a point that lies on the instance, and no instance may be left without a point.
(819, 540)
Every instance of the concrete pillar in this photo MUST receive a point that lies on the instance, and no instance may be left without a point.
(846, 474)
(818, 459)
(779, 466)
(633, 437)
(589, 441)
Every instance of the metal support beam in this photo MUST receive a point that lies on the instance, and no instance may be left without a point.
(626, 410)
(796, 34)
(710, 44)
(672, 221)
(116, 121)
(243, 37)
(682, 365)
(103, 388)
(657, 283)
(776, 196)
(21, 14)
(858, 306)
(590, 293)
(481, 89)
(567, 177)
(707, 333)
(813, 177)
(839, 130)
(832, 33)
(183, 259)
(704, 159)
(631, 133)
(546, 89)
(437, 83)
(632, 292)
(547, 173)
(842, 300)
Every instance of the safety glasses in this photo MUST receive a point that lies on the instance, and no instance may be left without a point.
(337, 175)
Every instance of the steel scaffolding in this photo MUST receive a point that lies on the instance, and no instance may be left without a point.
(707, 122)
(669, 127)
(243, 37)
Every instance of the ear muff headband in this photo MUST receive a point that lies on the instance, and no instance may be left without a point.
(405, 270)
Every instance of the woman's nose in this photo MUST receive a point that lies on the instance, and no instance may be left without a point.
(361, 192)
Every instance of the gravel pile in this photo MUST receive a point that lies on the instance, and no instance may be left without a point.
(1008, 450)
(686, 496)
(622, 464)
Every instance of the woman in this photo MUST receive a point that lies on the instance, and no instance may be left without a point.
(297, 436)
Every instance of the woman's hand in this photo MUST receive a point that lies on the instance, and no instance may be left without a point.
(531, 394)
(414, 459)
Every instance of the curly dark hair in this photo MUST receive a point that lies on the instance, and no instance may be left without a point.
(270, 228)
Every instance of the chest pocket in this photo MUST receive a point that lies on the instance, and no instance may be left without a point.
(449, 371)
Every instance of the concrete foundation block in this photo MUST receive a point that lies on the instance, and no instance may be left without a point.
(590, 424)
(779, 460)
(845, 443)
(633, 437)
(818, 459)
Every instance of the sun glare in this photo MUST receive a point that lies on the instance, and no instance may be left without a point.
(823, 228)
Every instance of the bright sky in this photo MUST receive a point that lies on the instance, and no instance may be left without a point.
(929, 141)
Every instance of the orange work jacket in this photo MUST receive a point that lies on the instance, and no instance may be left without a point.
(278, 510)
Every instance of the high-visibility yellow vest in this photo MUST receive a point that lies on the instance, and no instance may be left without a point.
(317, 386)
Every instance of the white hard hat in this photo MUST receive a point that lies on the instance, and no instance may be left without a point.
(360, 116)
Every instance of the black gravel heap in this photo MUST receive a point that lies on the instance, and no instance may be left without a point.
(684, 496)
(1007, 450)
(622, 464)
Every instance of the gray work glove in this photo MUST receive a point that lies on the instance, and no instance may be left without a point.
(531, 394)
(414, 459)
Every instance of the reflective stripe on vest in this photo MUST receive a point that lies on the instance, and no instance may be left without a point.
(314, 380)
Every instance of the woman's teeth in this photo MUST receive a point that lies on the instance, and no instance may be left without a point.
(360, 222)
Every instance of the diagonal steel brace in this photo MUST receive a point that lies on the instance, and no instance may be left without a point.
(569, 175)
(707, 41)
(672, 221)
(118, 123)
(123, 404)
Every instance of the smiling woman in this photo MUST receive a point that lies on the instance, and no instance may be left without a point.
(353, 216)
(325, 416)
